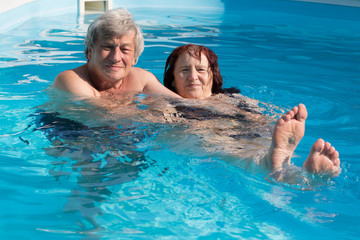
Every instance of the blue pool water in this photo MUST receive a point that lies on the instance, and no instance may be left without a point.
(161, 185)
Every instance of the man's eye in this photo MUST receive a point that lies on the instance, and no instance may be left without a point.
(125, 50)
(106, 47)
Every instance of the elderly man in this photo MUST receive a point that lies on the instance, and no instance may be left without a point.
(113, 45)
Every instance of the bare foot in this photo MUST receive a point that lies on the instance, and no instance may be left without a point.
(288, 132)
(323, 158)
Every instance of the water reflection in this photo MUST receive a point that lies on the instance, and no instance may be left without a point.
(98, 157)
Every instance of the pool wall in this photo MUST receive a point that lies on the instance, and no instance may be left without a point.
(14, 13)
(38, 8)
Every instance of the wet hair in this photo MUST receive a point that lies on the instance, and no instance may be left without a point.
(194, 51)
(115, 22)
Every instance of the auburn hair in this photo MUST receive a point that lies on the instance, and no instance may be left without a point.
(194, 51)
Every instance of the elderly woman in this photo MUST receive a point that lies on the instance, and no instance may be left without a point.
(192, 71)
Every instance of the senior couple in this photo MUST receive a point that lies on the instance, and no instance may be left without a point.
(113, 45)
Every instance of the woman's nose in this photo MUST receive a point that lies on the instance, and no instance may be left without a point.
(193, 74)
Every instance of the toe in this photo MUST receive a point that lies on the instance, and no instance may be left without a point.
(335, 158)
(327, 147)
(337, 162)
(294, 111)
(331, 151)
(318, 146)
(280, 122)
(286, 117)
(302, 113)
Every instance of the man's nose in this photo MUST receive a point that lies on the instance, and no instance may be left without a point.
(117, 55)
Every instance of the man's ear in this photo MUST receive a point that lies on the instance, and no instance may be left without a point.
(89, 55)
(134, 61)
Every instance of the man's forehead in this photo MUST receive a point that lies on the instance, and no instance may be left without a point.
(125, 37)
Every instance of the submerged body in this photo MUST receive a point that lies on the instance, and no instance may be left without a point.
(192, 71)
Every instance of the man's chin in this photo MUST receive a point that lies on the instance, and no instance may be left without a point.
(115, 77)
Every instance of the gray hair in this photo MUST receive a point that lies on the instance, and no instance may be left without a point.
(116, 22)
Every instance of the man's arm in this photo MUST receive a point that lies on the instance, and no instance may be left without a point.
(153, 85)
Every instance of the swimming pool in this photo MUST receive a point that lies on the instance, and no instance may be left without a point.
(281, 52)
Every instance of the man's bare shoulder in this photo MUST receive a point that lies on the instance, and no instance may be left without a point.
(141, 74)
(75, 81)
(65, 76)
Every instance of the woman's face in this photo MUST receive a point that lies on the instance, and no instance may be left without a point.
(193, 77)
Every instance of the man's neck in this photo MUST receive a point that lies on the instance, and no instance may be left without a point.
(102, 85)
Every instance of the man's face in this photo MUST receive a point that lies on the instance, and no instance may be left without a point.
(111, 59)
